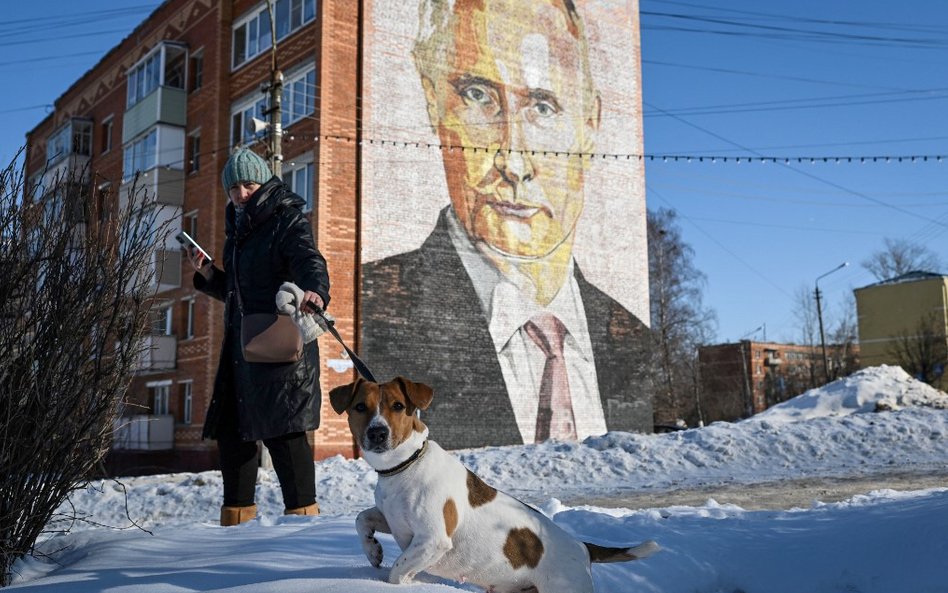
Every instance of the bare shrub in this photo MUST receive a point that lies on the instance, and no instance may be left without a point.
(77, 277)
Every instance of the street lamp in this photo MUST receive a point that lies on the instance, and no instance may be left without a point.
(819, 315)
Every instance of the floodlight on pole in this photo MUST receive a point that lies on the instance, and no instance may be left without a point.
(819, 315)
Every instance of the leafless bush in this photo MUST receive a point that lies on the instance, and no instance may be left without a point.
(77, 272)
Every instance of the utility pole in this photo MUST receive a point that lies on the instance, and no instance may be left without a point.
(275, 112)
(819, 315)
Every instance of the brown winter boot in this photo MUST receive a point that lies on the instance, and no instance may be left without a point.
(237, 515)
(312, 509)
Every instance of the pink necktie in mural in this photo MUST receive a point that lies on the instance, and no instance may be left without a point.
(555, 409)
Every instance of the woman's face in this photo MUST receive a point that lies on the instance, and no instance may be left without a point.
(240, 193)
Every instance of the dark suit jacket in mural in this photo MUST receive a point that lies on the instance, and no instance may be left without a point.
(421, 318)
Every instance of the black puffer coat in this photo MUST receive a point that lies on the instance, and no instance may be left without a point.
(272, 244)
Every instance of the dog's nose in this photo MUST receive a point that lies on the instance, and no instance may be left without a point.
(377, 435)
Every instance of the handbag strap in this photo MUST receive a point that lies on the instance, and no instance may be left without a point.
(360, 366)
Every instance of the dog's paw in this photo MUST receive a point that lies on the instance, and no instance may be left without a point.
(400, 579)
(373, 551)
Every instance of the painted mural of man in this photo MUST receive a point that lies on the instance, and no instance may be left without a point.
(492, 309)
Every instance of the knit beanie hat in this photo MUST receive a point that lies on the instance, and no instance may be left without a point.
(245, 165)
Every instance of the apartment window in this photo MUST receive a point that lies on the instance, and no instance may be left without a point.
(197, 70)
(186, 401)
(189, 318)
(191, 224)
(165, 66)
(298, 175)
(299, 96)
(298, 101)
(252, 35)
(160, 396)
(73, 138)
(194, 151)
(241, 116)
(107, 135)
(141, 155)
(161, 321)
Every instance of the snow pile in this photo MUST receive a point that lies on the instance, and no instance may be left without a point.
(881, 542)
(869, 390)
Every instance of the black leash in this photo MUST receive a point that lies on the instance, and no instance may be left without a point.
(360, 366)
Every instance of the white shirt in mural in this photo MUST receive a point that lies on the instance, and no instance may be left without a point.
(508, 304)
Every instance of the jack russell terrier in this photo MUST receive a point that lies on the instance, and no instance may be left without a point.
(446, 520)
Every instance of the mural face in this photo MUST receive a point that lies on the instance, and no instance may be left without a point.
(524, 97)
(503, 265)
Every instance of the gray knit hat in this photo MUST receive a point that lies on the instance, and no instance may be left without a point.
(245, 165)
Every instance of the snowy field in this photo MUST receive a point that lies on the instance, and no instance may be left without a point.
(883, 541)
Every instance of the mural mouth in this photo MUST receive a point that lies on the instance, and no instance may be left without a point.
(521, 211)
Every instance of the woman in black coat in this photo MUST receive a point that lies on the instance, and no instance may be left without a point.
(268, 242)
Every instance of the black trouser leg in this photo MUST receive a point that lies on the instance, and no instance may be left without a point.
(239, 470)
(293, 462)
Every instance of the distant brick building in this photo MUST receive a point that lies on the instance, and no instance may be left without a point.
(744, 378)
(171, 100)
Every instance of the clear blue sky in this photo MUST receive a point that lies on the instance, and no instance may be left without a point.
(736, 78)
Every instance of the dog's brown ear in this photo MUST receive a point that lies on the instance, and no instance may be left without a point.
(340, 397)
(418, 394)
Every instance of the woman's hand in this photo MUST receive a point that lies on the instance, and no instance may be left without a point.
(198, 262)
(310, 297)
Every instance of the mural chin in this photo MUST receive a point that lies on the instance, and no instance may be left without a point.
(520, 232)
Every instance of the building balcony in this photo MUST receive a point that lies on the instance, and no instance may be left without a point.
(164, 105)
(160, 185)
(158, 353)
(144, 433)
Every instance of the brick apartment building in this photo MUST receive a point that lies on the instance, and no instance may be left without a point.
(744, 378)
(171, 100)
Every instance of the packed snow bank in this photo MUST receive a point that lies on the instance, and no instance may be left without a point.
(869, 390)
(883, 542)
(906, 441)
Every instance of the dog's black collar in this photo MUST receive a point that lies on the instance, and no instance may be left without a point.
(405, 464)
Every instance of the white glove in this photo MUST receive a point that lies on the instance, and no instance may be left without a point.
(311, 325)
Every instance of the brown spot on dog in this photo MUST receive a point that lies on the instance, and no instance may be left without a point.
(478, 492)
(450, 517)
(523, 548)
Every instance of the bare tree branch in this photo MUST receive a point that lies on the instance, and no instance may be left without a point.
(77, 284)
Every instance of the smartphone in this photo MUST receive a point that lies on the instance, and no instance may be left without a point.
(187, 242)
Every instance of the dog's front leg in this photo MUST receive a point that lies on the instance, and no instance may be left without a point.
(368, 523)
(424, 551)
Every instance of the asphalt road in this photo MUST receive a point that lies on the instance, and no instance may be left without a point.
(784, 494)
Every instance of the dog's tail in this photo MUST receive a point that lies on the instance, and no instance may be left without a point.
(605, 554)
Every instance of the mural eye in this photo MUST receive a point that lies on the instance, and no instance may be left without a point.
(398, 406)
(360, 407)
(476, 94)
(545, 109)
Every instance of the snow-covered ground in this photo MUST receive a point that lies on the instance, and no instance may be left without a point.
(883, 541)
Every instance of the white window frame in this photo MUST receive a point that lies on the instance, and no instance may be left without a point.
(107, 131)
(298, 169)
(194, 158)
(140, 160)
(189, 323)
(149, 73)
(162, 401)
(187, 400)
(255, 27)
(301, 79)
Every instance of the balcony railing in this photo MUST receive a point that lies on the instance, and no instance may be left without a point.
(166, 105)
(161, 185)
(144, 433)
(158, 353)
